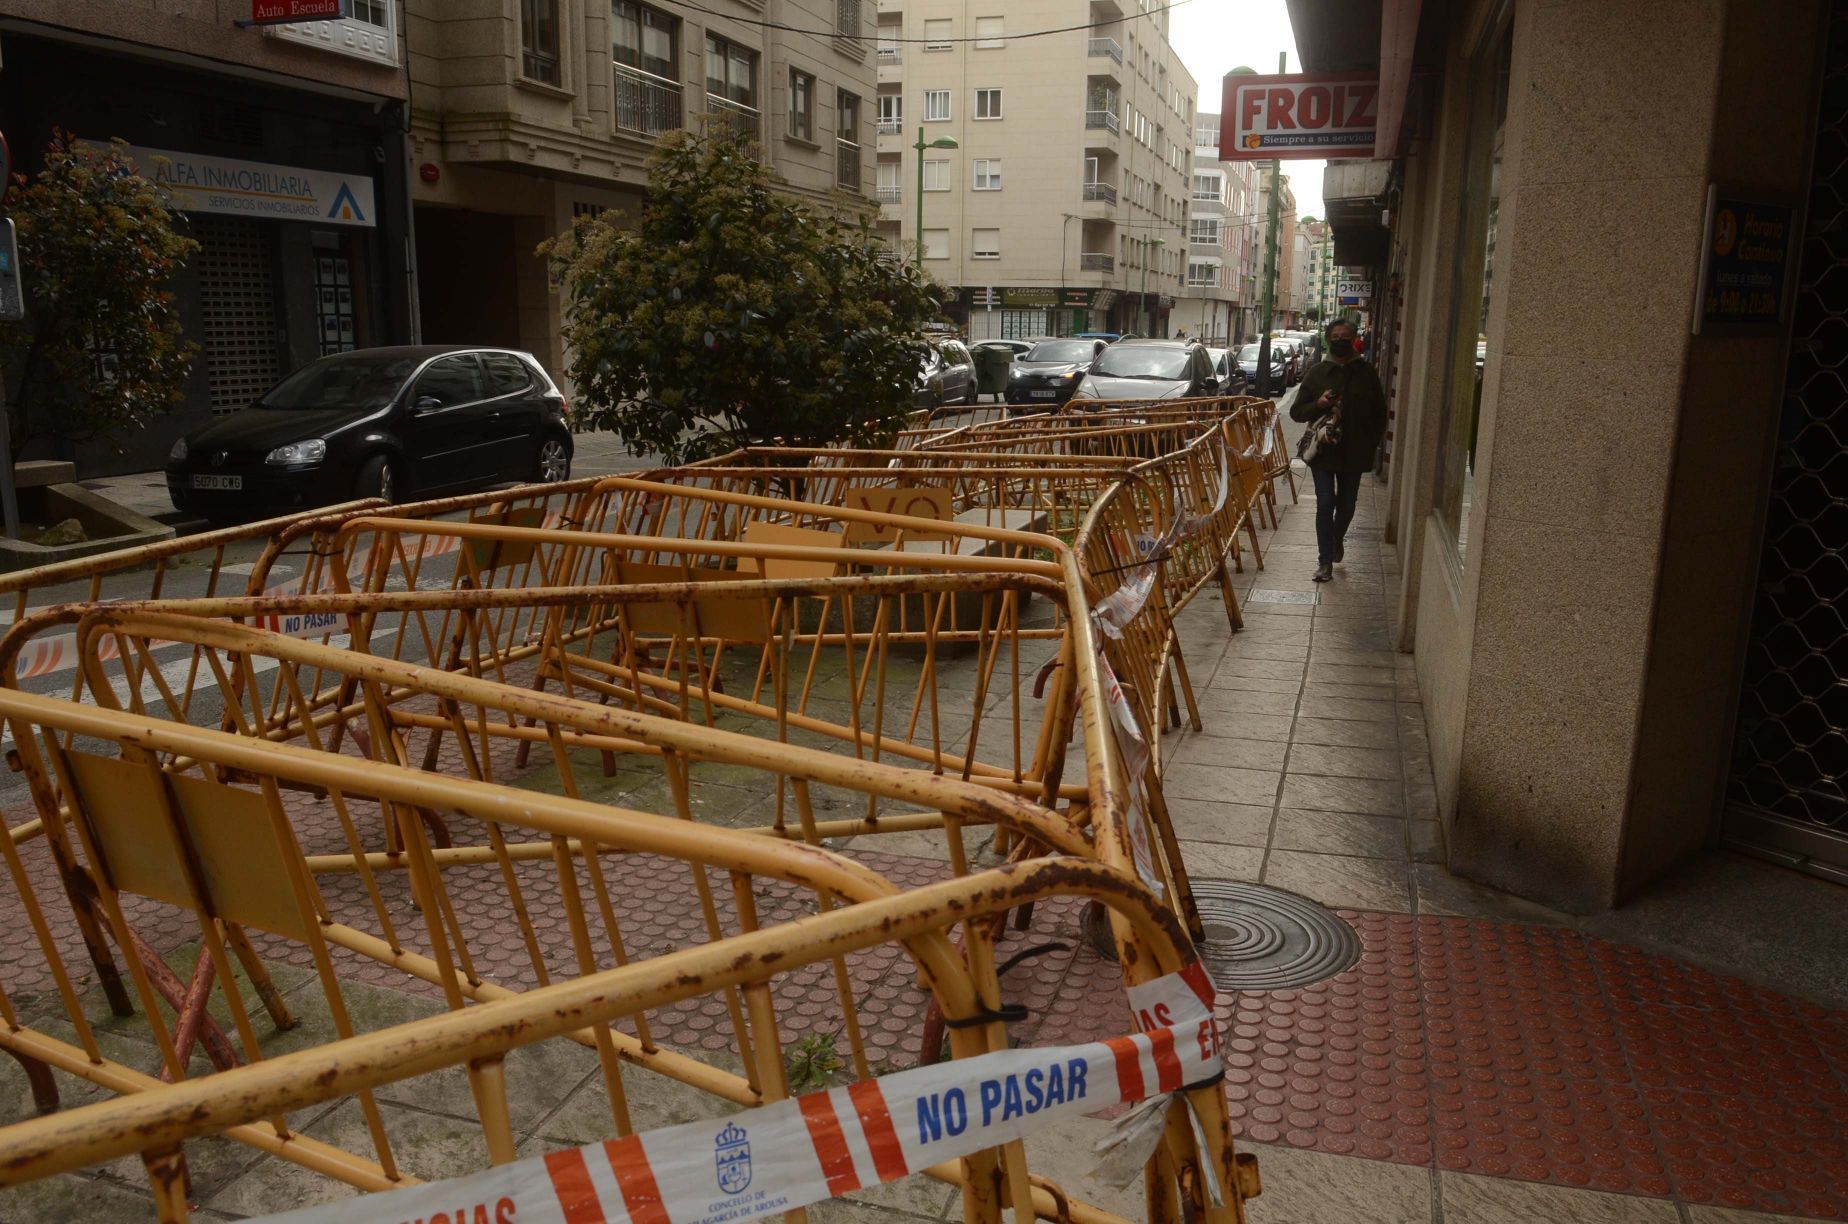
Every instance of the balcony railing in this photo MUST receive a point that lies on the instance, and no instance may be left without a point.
(891, 55)
(734, 116)
(646, 104)
(1107, 46)
(891, 127)
(1100, 191)
(1090, 262)
(847, 166)
(1103, 119)
(891, 195)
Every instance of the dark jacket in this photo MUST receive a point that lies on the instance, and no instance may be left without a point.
(1363, 412)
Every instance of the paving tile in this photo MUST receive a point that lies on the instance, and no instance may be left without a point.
(1439, 892)
(1226, 721)
(1349, 692)
(1313, 1188)
(1427, 841)
(1367, 796)
(1321, 672)
(73, 1197)
(1230, 682)
(1239, 701)
(1236, 824)
(1346, 707)
(1191, 780)
(1340, 833)
(1345, 732)
(1268, 669)
(1218, 861)
(1250, 645)
(1220, 750)
(1342, 762)
(1341, 880)
(1728, 1215)
(1470, 1199)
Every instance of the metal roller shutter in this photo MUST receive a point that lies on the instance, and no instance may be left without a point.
(237, 291)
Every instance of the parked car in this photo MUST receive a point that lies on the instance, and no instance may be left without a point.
(1292, 358)
(947, 375)
(1312, 346)
(1050, 372)
(1231, 375)
(384, 422)
(1149, 369)
(1248, 366)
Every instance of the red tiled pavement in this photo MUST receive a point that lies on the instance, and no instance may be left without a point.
(1536, 1053)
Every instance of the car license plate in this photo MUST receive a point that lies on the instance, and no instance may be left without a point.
(1044, 394)
(218, 482)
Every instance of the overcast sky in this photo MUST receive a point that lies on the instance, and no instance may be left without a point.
(1216, 36)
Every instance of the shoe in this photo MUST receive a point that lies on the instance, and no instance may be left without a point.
(1324, 573)
(1340, 551)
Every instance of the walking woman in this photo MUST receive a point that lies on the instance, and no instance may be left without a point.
(1345, 405)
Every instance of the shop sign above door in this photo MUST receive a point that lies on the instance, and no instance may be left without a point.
(197, 183)
(1745, 264)
(1298, 116)
(286, 12)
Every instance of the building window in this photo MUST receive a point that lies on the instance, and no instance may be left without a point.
(985, 244)
(539, 41)
(891, 112)
(731, 83)
(1206, 136)
(1202, 273)
(987, 174)
(647, 40)
(937, 35)
(936, 174)
(937, 244)
(988, 34)
(936, 105)
(888, 178)
(988, 104)
(847, 172)
(1475, 273)
(1208, 188)
(1203, 231)
(373, 12)
(801, 105)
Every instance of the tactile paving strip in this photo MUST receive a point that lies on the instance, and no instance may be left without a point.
(1535, 1053)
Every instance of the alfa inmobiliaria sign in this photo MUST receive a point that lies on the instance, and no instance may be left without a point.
(1298, 116)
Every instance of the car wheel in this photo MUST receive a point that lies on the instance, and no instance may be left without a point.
(554, 462)
(377, 478)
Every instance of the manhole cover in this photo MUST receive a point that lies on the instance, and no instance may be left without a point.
(1262, 595)
(1260, 938)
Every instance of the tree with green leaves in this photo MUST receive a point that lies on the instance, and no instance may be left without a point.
(732, 315)
(100, 351)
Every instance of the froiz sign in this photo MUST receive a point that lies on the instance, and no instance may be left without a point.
(1298, 116)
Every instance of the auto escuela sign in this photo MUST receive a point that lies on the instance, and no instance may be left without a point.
(287, 12)
(196, 183)
(1298, 116)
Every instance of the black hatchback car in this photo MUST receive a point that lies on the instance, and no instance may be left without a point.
(384, 422)
(1047, 374)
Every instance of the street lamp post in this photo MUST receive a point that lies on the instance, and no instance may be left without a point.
(942, 142)
(1148, 316)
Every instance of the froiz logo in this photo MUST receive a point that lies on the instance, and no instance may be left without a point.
(732, 1153)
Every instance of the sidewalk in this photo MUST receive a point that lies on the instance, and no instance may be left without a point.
(1486, 1062)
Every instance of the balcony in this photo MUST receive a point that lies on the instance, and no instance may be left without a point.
(1105, 119)
(891, 195)
(646, 104)
(891, 55)
(1102, 193)
(735, 116)
(1091, 261)
(847, 172)
(891, 127)
(1107, 46)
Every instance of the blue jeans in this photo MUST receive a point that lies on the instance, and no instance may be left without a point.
(1335, 495)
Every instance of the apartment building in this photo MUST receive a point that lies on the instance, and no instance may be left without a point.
(284, 147)
(1224, 243)
(1286, 311)
(1312, 270)
(529, 113)
(1055, 173)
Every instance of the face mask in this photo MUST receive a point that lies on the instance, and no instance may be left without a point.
(1343, 347)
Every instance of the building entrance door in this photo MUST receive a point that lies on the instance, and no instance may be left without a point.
(237, 295)
(1784, 797)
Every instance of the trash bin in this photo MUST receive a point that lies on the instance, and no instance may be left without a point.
(991, 364)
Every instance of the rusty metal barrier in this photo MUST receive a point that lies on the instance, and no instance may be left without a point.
(201, 822)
